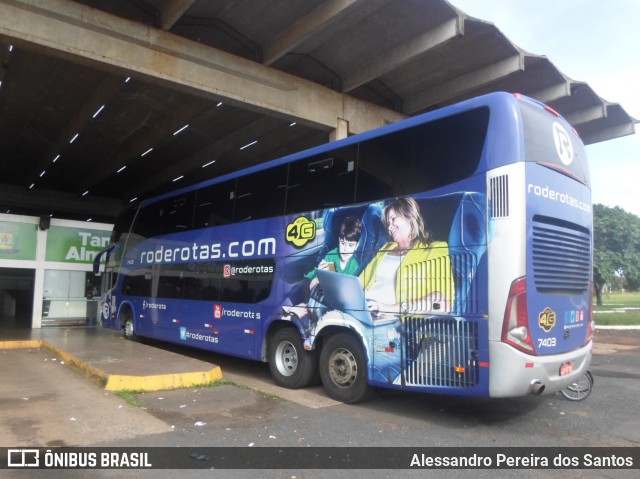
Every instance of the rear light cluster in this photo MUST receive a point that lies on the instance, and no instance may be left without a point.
(591, 326)
(515, 328)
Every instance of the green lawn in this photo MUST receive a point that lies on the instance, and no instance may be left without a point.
(619, 309)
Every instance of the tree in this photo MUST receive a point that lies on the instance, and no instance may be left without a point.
(616, 249)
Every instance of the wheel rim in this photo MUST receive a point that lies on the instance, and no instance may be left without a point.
(128, 328)
(343, 368)
(578, 390)
(286, 358)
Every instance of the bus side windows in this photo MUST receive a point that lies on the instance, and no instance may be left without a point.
(322, 181)
(178, 213)
(261, 194)
(214, 205)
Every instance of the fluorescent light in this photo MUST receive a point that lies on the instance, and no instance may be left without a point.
(56, 158)
(127, 79)
(133, 199)
(89, 219)
(85, 193)
(219, 104)
(98, 112)
(32, 185)
(293, 124)
(74, 138)
(42, 173)
(121, 169)
(183, 128)
(207, 164)
(10, 48)
(148, 151)
(249, 144)
(178, 178)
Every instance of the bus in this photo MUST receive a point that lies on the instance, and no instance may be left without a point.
(447, 253)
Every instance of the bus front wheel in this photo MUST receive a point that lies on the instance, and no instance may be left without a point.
(127, 326)
(291, 366)
(343, 369)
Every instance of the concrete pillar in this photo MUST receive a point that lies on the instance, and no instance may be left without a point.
(341, 131)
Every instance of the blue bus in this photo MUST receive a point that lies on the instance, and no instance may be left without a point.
(447, 253)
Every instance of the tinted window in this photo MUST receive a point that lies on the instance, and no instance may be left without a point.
(137, 283)
(214, 205)
(261, 194)
(177, 213)
(423, 157)
(322, 181)
(148, 221)
(240, 282)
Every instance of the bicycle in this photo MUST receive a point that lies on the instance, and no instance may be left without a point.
(580, 389)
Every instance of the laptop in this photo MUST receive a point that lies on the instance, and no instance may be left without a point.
(344, 293)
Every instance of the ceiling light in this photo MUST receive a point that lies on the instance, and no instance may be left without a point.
(98, 112)
(121, 169)
(32, 185)
(148, 151)
(293, 124)
(249, 144)
(219, 104)
(133, 199)
(127, 79)
(183, 128)
(10, 48)
(56, 158)
(89, 219)
(74, 138)
(207, 164)
(178, 178)
(42, 173)
(85, 193)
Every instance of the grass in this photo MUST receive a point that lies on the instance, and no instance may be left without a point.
(618, 309)
(131, 397)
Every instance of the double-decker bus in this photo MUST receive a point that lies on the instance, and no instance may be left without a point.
(447, 253)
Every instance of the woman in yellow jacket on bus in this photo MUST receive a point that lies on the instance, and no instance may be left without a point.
(410, 273)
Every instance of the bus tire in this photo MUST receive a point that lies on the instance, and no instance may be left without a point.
(128, 329)
(291, 366)
(343, 369)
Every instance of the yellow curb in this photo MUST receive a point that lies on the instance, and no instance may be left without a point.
(118, 382)
(21, 344)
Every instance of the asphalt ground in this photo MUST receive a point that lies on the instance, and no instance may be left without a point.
(48, 400)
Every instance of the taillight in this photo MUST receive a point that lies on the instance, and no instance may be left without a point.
(515, 328)
(591, 326)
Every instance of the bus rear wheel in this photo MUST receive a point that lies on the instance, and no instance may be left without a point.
(343, 369)
(291, 366)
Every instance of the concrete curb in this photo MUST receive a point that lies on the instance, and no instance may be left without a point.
(118, 382)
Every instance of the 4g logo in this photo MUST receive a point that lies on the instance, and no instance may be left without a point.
(301, 231)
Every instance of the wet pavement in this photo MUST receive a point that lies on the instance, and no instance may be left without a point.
(114, 363)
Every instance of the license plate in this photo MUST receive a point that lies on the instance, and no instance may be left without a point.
(566, 368)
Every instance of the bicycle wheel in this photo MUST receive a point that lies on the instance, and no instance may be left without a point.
(580, 389)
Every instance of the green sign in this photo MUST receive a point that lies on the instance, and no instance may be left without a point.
(75, 245)
(18, 240)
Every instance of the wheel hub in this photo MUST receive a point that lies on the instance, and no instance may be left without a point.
(343, 368)
(286, 358)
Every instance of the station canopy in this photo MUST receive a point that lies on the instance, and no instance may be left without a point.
(103, 103)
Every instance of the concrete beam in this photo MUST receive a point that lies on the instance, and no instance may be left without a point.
(84, 34)
(552, 93)
(323, 16)
(171, 11)
(586, 115)
(464, 84)
(402, 54)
